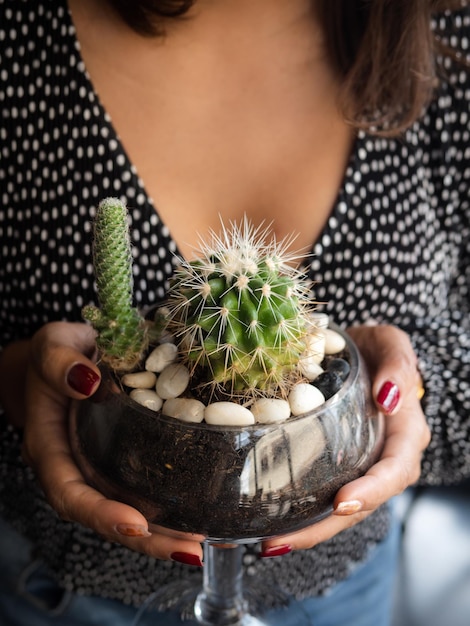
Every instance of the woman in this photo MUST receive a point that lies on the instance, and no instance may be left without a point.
(326, 119)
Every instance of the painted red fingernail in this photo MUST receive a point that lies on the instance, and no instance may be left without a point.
(186, 558)
(276, 551)
(388, 396)
(82, 379)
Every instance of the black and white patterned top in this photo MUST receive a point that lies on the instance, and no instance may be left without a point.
(396, 248)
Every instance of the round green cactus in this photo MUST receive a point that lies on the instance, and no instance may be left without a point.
(240, 312)
(121, 329)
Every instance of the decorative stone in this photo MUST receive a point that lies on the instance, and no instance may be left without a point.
(139, 380)
(334, 342)
(161, 356)
(304, 398)
(340, 366)
(228, 414)
(184, 409)
(310, 368)
(173, 381)
(270, 410)
(328, 383)
(147, 398)
(315, 348)
(321, 320)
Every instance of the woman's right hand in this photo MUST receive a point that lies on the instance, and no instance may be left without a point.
(60, 367)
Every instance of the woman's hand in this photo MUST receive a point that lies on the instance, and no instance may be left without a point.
(60, 367)
(395, 386)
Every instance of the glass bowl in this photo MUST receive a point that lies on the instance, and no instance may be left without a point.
(230, 484)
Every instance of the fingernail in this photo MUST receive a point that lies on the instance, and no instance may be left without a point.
(186, 558)
(348, 508)
(388, 396)
(275, 551)
(132, 530)
(82, 379)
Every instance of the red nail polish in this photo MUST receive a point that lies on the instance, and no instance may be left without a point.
(82, 379)
(186, 558)
(388, 396)
(276, 551)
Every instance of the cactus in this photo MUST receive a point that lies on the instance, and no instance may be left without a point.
(121, 329)
(240, 313)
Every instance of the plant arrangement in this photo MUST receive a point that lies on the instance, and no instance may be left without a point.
(218, 421)
(241, 320)
(210, 419)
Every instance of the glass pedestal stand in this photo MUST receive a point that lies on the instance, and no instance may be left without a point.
(222, 599)
(221, 602)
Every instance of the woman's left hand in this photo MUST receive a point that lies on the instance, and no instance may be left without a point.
(396, 382)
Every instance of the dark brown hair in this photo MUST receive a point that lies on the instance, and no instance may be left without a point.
(383, 50)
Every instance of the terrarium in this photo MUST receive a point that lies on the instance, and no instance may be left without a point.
(236, 411)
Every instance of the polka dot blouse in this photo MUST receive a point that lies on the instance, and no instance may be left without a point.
(396, 249)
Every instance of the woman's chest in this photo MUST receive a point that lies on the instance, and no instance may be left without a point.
(269, 161)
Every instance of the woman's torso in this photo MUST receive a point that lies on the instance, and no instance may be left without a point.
(387, 238)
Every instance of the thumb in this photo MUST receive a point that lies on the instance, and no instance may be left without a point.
(62, 357)
(392, 364)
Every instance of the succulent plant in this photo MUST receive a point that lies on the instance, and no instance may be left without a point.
(122, 333)
(240, 312)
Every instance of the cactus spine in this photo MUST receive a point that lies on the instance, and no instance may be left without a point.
(121, 330)
(240, 313)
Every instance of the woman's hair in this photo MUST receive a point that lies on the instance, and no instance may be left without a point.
(383, 50)
(386, 54)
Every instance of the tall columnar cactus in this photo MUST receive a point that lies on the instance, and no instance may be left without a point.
(240, 312)
(121, 330)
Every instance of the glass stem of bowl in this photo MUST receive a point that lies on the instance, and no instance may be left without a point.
(221, 603)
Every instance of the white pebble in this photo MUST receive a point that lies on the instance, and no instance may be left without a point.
(184, 409)
(147, 398)
(309, 368)
(321, 320)
(139, 380)
(304, 398)
(315, 348)
(334, 342)
(172, 381)
(228, 414)
(160, 357)
(270, 410)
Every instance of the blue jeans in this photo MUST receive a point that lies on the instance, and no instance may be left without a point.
(28, 596)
